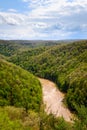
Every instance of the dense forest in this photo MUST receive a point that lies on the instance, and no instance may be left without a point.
(65, 64)
(18, 87)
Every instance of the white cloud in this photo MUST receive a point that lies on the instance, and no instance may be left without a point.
(47, 19)
(12, 10)
(11, 18)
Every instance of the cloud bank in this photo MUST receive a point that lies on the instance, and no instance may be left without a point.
(46, 19)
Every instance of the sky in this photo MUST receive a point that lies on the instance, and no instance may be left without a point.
(43, 19)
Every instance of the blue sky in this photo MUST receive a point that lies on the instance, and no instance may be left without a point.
(43, 19)
(17, 5)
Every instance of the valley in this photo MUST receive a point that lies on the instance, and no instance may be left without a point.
(50, 101)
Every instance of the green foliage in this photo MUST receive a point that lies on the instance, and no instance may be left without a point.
(7, 48)
(77, 81)
(11, 47)
(81, 122)
(65, 64)
(6, 123)
(12, 118)
(18, 87)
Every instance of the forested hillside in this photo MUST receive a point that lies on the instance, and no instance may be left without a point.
(7, 48)
(21, 92)
(18, 87)
(64, 64)
(21, 100)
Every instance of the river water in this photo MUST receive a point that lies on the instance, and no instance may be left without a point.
(53, 100)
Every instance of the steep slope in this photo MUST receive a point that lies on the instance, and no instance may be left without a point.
(18, 87)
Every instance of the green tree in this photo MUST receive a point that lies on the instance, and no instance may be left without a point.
(26, 99)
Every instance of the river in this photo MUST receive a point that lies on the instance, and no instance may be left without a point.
(53, 100)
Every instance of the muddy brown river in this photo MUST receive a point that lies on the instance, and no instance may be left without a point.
(53, 100)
